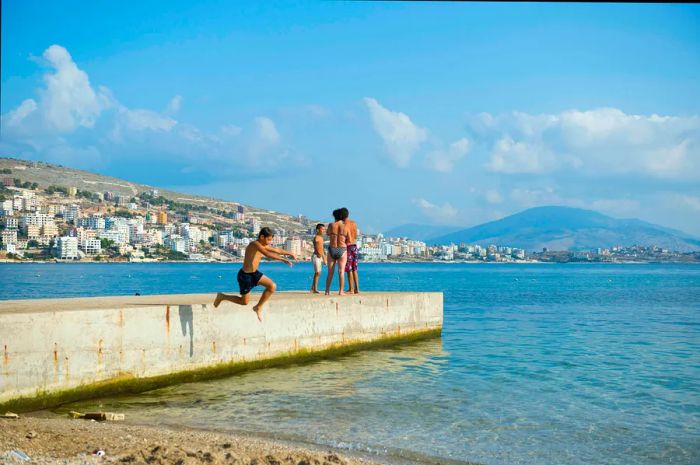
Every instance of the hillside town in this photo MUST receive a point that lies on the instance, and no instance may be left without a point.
(64, 223)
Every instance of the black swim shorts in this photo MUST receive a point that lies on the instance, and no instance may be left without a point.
(247, 281)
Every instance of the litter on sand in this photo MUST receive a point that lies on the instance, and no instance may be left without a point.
(10, 416)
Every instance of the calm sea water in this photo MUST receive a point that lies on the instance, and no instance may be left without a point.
(537, 364)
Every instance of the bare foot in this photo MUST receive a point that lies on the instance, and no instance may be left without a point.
(328, 292)
(258, 311)
(357, 292)
(315, 292)
(219, 298)
(341, 293)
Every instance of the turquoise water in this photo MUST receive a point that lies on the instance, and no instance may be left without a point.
(538, 364)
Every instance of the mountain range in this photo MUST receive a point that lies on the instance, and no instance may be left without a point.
(557, 228)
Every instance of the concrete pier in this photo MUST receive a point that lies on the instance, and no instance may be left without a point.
(60, 350)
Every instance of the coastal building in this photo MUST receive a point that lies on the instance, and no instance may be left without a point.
(92, 222)
(34, 219)
(162, 217)
(293, 244)
(91, 246)
(67, 248)
(8, 236)
(33, 232)
(72, 191)
(72, 213)
(6, 208)
(11, 222)
(176, 243)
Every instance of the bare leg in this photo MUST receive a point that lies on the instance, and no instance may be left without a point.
(242, 300)
(350, 281)
(270, 288)
(356, 282)
(314, 286)
(341, 272)
(331, 270)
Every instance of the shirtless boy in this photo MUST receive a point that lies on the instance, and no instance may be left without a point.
(249, 276)
(318, 257)
(351, 264)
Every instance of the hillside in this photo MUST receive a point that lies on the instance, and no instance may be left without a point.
(46, 174)
(565, 228)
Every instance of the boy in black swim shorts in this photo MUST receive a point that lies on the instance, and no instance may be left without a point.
(249, 276)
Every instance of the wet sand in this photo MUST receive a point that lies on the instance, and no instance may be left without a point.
(69, 442)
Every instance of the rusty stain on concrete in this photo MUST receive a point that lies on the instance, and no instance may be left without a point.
(213, 346)
(167, 320)
(121, 318)
(6, 357)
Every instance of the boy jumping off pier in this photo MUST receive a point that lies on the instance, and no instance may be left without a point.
(249, 276)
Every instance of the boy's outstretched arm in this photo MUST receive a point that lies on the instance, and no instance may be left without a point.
(281, 252)
(271, 254)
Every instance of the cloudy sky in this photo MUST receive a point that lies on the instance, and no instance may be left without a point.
(442, 113)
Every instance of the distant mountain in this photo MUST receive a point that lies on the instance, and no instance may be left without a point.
(420, 232)
(565, 228)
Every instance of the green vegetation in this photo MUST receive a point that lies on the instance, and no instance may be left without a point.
(123, 214)
(6, 171)
(106, 243)
(24, 185)
(53, 189)
(32, 243)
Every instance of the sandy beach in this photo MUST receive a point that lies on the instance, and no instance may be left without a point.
(70, 442)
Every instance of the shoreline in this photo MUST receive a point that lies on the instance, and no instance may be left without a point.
(390, 262)
(48, 439)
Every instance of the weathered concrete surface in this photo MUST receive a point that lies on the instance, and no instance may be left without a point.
(57, 350)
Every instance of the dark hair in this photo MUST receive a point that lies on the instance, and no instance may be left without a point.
(337, 214)
(265, 232)
(319, 226)
(344, 213)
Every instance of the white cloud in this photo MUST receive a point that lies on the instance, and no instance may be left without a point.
(72, 117)
(401, 137)
(493, 196)
(146, 120)
(266, 131)
(444, 213)
(174, 105)
(16, 116)
(444, 160)
(69, 100)
(231, 130)
(599, 141)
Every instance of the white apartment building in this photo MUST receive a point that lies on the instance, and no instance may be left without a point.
(92, 222)
(34, 219)
(72, 213)
(177, 243)
(293, 244)
(6, 207)
(67, 248)
(91, 246)
(11, 222)
(114, 235)
(8, 236)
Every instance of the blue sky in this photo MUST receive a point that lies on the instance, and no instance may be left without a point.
(437, 113)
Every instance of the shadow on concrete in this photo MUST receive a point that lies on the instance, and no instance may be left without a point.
(187, 323)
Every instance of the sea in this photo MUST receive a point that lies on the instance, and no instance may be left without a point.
(537, 364)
